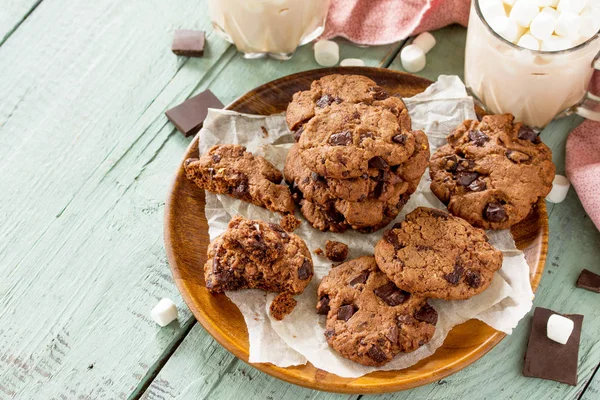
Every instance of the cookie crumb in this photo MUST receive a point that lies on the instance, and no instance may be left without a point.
(264, 131)
(282, 305)
(289, 223)
(336, 251)
(318, 251)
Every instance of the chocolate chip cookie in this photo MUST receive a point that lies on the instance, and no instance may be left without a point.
(370, 320)
(492, 172)
(366, 203)
(230, 169)
(337, 89)
(434, 254)
(257, 255)
(344, 140)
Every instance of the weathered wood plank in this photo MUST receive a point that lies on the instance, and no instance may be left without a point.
(83, 182)
(12, 14)
(183, 375)
(592, 392)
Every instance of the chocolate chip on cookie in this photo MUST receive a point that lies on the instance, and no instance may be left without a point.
(370, 320)
(492, 172)
(441, 256)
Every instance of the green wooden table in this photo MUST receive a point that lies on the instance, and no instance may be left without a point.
(86, 160)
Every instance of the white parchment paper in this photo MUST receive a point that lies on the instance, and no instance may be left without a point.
(300, 336)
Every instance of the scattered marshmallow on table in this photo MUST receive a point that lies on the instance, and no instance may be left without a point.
(425, 41)
(559, 328)
(523, 12)
(352, 62)
(413, 58)
(543, 25)
(164, 312)
(560, 188)
(327, 53)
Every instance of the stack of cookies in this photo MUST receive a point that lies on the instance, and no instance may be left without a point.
(356, 161)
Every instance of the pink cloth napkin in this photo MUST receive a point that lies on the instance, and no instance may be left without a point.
(583, 166)
(375, 22)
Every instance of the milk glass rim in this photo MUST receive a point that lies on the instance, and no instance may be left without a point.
(537, 52)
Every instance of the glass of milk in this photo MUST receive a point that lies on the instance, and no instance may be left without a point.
(269, 27)
(535, 86)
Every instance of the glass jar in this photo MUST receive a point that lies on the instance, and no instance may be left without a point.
(534, 86)
(269, 27)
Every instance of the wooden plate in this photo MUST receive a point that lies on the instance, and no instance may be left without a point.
(186, 240)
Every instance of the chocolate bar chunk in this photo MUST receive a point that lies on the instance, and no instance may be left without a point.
(589, 280)
(188, 43)
(189, 115)
(548, 359)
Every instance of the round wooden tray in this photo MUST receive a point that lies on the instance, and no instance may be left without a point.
(186, 240)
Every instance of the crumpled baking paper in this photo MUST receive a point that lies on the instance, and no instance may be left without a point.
(300, 336)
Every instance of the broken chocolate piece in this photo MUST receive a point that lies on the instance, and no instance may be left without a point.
(494, 212)
(323, 305)
(362, 278)
(304, 272)
(589, 280)
(189, 115)
(378, 163)
(340, 139)
(376, 354)
(188, 43)
(391, 295)
(346, 312)
(547, 359)
(427, 314)
(478, 138)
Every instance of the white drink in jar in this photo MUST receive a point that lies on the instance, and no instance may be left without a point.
(269, 27)
(535, 86)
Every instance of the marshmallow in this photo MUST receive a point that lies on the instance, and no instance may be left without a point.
(543, 3)
(413, 58)
(543, 25)
(559, 328)
(589, 22)
(556, 43)
(523, 12)
(529, 42)
(567, 25)
(553, 3)
(509, 2)
(491, 9)
(164, 312)
(425, 41)
(507, 28)
(352, 62)
(560, 188)
(574, 6)
(551, 11)
(327, 53)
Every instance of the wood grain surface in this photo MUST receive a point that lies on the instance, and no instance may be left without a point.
(186, 238)
(86, 161)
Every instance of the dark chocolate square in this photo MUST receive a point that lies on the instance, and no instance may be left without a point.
(589, 280)
(548, 359)
(189, 115)
(188, 43)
